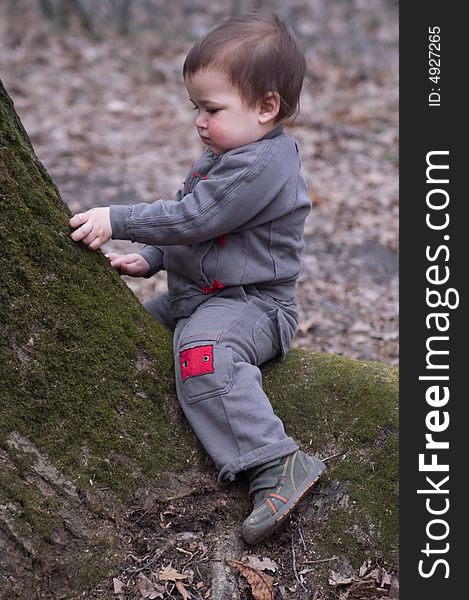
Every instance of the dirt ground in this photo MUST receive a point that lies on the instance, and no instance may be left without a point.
(192, 538)
(110, 119)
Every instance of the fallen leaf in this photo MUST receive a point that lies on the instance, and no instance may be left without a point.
(159, 591)
(170, 574)
(336, 579)
(181, 588)
(262, 564)
(262, 585)
(360, 590)
(145, 586)
(364, 568)
(386, 579)
(365, 588)
(375, 574)
(119, 586)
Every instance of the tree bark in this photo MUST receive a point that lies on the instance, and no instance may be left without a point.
(89, 417)
(124, 17)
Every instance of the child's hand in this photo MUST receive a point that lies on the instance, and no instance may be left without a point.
(129, 264)
(93, 227)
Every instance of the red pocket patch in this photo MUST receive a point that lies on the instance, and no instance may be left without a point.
(196, 361)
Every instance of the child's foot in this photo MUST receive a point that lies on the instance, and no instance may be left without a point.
(275, 489)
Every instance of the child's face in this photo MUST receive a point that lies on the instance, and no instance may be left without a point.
(223, 121)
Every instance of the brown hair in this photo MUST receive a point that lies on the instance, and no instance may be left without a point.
(259, 53)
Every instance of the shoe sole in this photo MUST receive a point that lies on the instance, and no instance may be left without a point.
(279, 518)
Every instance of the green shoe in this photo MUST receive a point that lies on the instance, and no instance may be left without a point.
(275, 489)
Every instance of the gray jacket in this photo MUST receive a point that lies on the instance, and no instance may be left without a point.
(237, 221)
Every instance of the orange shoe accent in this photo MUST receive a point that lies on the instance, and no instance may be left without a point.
(270, 504)
(272, 495)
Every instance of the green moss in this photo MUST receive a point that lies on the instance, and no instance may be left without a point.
(338, 537)
(93, 568)
(32, 517)
(338, 406)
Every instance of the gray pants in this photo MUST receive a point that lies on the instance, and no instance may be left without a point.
(217, 351)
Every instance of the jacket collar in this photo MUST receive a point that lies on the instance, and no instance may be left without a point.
(274, 133)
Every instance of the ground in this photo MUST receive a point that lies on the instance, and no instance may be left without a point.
(195, 533)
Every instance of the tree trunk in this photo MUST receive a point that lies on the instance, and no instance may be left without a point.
(89, 422)
(124, 17)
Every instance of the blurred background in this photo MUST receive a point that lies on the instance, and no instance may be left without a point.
(99, 89)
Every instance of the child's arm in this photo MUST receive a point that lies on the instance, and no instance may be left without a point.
(240, 187)
(237, 190)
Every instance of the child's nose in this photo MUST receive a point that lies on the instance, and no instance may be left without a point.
(201, 121)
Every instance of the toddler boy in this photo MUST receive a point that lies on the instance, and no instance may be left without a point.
(230, 242)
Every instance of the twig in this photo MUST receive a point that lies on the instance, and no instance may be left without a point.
(179, 496)
(295, 572)
(197, 592)
(170, 592)
(190, 559)
(335, 456)
(320, 560)
(303, 543)
(142, 515)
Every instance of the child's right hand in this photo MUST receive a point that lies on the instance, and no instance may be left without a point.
(129, 264)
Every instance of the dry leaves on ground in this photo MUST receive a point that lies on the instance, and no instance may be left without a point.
(373, 583)
(160, 584)
(148, 589)
(262, 585)
(119, 588)
(261, 563)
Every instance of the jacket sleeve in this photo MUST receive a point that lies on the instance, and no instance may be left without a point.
(239, 187)
(154, 257)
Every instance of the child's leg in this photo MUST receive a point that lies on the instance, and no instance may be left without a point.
(158, 307)
(219, 384)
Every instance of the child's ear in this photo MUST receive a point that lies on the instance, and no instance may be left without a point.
(269, 108)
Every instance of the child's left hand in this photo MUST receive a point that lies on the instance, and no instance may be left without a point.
(92, 227)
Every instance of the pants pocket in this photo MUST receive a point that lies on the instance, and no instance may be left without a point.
(205, 368)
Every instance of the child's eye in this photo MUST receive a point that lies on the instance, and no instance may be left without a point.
(212, 110)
